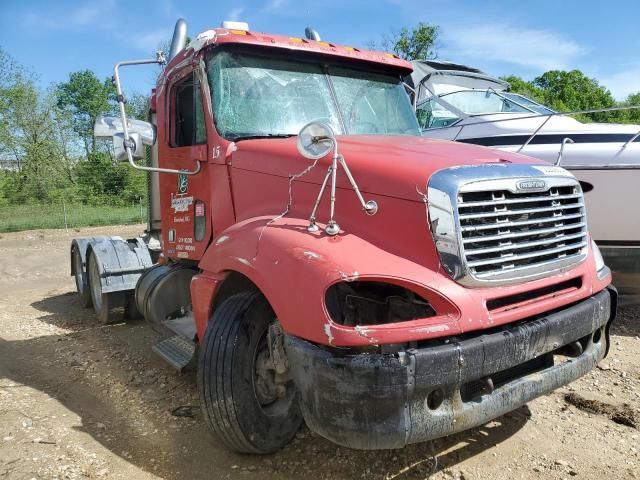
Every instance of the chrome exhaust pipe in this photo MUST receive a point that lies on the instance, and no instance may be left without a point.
(312, 34)
(179, 39)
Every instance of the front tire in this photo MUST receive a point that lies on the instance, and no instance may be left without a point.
(241, 401)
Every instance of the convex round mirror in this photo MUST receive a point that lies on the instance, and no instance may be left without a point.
(315, 140)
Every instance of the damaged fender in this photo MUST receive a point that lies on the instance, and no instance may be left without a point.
(293, 269)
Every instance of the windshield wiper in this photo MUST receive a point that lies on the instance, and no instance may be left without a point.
(236, 138)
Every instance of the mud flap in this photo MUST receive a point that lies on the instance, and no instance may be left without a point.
(120, 262)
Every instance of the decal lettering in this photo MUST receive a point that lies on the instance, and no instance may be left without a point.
(555, 171)
(181, 204)
(529, 185)
(181, 247)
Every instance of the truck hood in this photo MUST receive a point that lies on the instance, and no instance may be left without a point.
(393, 166)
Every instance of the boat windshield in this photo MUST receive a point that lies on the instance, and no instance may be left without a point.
(258, 96)
(478, 102)
(527, 102)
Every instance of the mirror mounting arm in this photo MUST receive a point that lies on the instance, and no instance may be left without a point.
(307, 142)
(128, 142)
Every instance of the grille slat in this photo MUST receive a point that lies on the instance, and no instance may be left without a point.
(518, 246)
(503, 231)
(513, 258)
(524, 211)
(523, 200)
(473, 228)
(507, 236)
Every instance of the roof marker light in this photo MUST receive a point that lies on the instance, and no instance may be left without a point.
(231, 25)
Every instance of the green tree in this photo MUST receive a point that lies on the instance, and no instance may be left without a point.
(99, 178)
(86, 97)
(416, 44)
(632, 116)
(573, 90)
(524, 87)
(28, 137)
(137, 106)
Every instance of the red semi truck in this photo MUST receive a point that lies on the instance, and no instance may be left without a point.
(319, 260)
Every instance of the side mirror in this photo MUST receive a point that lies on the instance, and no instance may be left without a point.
(140, 133)
(137, 151)
(315, 140)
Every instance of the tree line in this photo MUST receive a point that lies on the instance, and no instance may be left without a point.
(48, 152)
(47, 149)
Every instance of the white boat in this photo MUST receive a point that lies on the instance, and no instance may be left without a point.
(461, 103)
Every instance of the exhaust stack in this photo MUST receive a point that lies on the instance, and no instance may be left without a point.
(312, 34)
(179, 40)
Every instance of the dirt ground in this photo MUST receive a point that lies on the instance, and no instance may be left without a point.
(78, 400)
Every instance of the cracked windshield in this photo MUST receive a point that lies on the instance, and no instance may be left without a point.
(255, 96)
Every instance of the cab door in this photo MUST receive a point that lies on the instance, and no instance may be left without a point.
(186, 230)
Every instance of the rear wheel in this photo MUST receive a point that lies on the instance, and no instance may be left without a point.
(248, 405)
(81, 279)
(109, 306)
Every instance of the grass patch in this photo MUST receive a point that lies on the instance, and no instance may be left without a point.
(15, 218)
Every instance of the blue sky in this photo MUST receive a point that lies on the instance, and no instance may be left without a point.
(501, 37)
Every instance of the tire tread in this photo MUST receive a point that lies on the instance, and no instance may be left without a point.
(221, 414)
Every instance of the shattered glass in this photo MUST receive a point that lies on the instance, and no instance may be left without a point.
(371, 103)
(259, 96)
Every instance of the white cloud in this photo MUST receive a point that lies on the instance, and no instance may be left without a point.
(91, 15)
(275, 5)
(536, 49)
(622, 83)
(235, 14)
(101, 17)
(150, 41)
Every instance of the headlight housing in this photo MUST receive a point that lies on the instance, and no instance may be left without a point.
(600, 266)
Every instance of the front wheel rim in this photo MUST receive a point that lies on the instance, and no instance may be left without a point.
(273, 397)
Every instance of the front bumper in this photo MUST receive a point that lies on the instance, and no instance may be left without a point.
(379, 401)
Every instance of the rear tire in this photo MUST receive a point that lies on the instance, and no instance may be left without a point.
(238, 400)
(109, 307)
(81, 279)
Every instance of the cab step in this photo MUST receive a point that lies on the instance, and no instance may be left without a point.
(184, 327)
(176, 351)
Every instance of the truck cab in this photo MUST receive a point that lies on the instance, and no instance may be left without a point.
(320, 260)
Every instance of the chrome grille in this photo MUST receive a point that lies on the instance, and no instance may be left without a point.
(503, 233)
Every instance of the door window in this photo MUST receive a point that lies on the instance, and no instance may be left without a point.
(188, 124)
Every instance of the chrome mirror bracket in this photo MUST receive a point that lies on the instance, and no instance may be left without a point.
(127, 141)
(315, 140)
